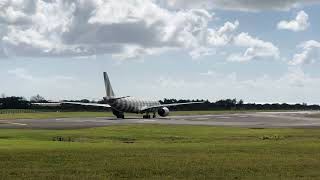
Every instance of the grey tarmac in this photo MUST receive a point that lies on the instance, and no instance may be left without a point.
(299, 119)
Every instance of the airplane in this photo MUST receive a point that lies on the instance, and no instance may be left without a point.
(128, 104)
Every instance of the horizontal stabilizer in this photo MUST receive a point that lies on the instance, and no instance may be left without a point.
(118, 98)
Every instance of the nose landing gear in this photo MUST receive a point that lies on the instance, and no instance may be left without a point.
(121, 116)
(118, 114)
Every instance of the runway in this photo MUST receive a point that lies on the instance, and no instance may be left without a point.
(299, 119)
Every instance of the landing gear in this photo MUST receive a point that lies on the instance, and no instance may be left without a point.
(120, 116)
(146, 116)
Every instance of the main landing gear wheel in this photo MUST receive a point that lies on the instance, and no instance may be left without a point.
(146, 116)
(154, 116)
(120, 116)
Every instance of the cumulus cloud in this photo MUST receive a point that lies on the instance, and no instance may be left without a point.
(223, 35)
(132, 30)
(255, 49)
(310, 53)
(16, 11)
(212, 38)
(79, 28)
(300, 23)
(227, 36)
(240, 5)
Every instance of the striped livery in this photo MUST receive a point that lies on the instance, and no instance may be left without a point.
(132, 105)
(119, 105)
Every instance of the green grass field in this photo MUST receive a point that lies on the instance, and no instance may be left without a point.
(160, 152)
(32, 114)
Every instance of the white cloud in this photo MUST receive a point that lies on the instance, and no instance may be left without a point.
(300, 23)
(211, 38)
(223, 35)
(255, 49)
(132, 30)
(240, 5)
(16, 11)
(310, 53)
(79, 28)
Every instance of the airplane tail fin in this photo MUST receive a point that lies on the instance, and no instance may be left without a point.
(109, 92)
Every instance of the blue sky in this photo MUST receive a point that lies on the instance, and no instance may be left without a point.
(262, 51)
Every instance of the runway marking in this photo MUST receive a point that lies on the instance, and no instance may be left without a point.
(143, 121)
(20, 124)
(202, 118)
(223, 117)
(178, 119)
(148, 120)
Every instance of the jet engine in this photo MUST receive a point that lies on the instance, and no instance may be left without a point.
(163, 112)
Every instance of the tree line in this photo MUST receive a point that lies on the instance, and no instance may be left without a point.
(234, 104)
(14, 102)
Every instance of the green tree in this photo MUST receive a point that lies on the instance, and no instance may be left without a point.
(37, 99)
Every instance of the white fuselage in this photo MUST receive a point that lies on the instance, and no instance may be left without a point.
(132, 105)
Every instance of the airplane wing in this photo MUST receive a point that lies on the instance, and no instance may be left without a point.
(168, 105)
(53, 104)
(87, 104)
(76, 103)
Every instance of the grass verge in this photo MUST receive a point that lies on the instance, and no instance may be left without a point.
(160, 152)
